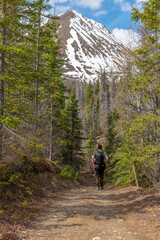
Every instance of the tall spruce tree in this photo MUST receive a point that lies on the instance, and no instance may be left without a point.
(53, 87)
(111, 143)
(13, 63)
(36, 35)
(72, 136)
(89, 92)
(96, 109)
(89, 117)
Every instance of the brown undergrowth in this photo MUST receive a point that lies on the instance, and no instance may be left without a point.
(27, 188)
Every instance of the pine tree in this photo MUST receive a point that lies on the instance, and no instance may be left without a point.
(89, 118)
(47, 85)
(31, 70)
(96, 119)
(97, 87)
(54, 88)
(111, 143)
(138, 154)
(90, 144)
(37, 37)
(72, 136)
(89, 92)
(14, 69)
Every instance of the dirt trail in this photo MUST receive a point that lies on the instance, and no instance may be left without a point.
(86, 213)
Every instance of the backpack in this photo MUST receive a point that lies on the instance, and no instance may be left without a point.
(99, 160)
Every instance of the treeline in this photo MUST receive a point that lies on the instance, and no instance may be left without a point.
(133, 131)
(39, 116)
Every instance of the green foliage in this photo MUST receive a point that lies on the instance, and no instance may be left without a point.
(97, 104)
(111, 135)
(139, 108)
(89, 118)
(4, 171)
(97, 87)
(1, 212)
(69, 173)
(15, 178)
(111, 144)
(15, 65)
(29, 191)
(89, 92)
(140, 147)
(34, 91)
(71, 141)
(90, 144)
(149, 16)
(25, 203)
(12, 122)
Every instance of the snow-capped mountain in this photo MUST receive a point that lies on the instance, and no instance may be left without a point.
(89, 48)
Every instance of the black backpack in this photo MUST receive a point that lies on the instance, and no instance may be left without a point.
(99, 160)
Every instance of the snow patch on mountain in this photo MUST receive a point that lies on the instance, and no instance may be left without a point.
(90, 48)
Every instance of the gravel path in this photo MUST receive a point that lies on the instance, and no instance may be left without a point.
(88, 214)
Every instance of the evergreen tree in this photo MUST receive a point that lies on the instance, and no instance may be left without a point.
(53, 87)
(38, 36)
(138, 154)
(104, 99)
(90, 143)
(89, 92)
(72, 136)
(111, 143)
(89, 118)
(31, 70)
(97, 87)
(111, 140)
(47, 91)
(97, 109)
(14, 64)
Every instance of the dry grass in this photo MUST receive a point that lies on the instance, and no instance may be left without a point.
(27, 187)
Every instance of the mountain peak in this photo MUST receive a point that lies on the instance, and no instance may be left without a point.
(73, 11)
(72, 14)
(88, 47)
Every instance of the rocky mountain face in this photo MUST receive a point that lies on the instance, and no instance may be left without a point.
(92, 54)
(88, 48)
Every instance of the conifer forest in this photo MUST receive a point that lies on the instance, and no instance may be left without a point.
(50, 124)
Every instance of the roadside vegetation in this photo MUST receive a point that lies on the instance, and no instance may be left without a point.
(45, 140)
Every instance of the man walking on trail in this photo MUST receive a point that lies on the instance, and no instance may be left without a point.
(99, 160)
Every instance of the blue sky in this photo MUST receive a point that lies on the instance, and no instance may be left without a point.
(114, 14)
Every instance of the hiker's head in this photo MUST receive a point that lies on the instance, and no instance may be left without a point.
(99, 146)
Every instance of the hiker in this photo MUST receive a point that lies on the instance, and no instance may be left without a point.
(99, 160)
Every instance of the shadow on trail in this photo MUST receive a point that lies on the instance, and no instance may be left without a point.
(107, 204)
(61, 226)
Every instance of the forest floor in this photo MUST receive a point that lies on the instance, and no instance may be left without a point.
(85, 213)
(81, 212)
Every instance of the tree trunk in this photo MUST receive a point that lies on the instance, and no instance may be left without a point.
(113, 91)
(108, 101)
(72, 141)
(37, 68)
(135, 176)
(2, 68)
(51, 134)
